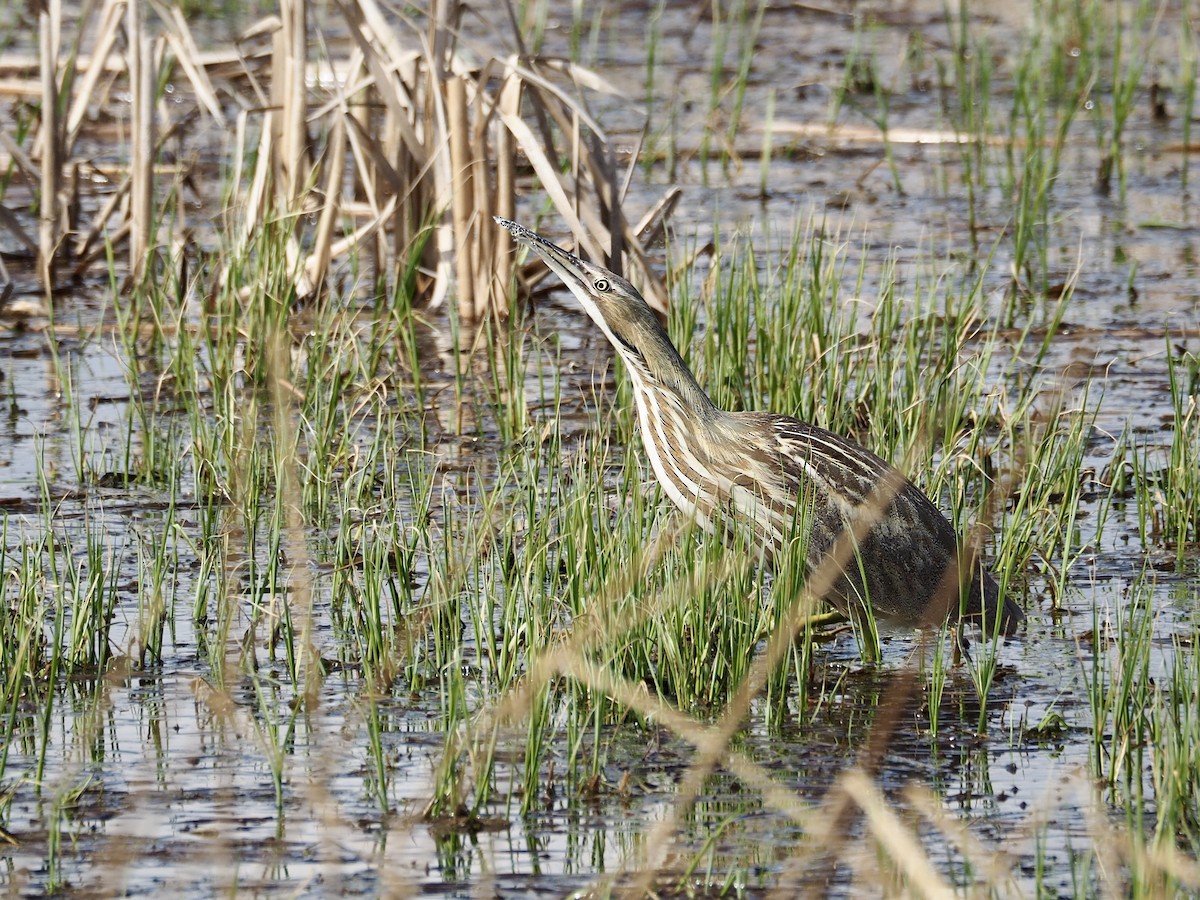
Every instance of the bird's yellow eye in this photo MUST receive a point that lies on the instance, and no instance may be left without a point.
(601, 284)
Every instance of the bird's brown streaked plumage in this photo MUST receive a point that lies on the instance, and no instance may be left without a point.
(774, 473)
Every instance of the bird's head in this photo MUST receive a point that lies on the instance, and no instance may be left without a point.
(612, 302)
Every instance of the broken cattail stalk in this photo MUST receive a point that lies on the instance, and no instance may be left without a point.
(425, 131)
(653, 224)
(84, 249)
(350, 241)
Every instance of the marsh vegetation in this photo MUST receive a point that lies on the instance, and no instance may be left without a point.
(330, 560)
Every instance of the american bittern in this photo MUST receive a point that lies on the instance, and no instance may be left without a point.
(770, 472)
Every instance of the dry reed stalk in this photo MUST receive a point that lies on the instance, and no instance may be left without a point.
(27, 168)
(708, 755)
(900, 842)
(435, 126)
(593, 225)
(354, 101)
(322, 244)
(179, 36)
(371, 170)
(653, 224)
(377, 147)
(994, 865)
(602, 680)
(7, 288)
(70, 202)
(831, 829)
(571, 119)
(19, 88)
(396, 164)
(49, 36)
(553, 183)
(290, 62)
(428, 113)
(575, 657)
(277, 85)
(407, 152)
(95, 250)
(610, 200)
(350, 241)
(506, 195)
(141, 166)
(461, 195)
(255, 201)
(92, 70)
(84, 250)
(20, 71)
(483, 246)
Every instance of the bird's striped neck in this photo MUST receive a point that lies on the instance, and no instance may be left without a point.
(673, 411)
(654, 365)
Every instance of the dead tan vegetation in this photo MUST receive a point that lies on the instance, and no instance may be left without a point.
(390, 144)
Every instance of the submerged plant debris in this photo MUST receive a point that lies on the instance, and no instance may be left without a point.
(314, 584)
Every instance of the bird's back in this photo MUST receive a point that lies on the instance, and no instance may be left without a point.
(795, 482)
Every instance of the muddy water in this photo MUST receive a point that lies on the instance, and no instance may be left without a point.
(146, 787)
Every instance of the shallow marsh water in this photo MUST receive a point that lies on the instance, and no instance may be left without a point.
(148, 778)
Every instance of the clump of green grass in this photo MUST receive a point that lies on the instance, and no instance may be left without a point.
(1174, 728)
(1119, 48)
(966, 86)
(1165, 477)
(1048, 89)
(1186, 89)
(1119, 691)
(740, 21)
(1178, 494)
(1142, 696)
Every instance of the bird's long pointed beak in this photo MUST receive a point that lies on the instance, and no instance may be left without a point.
(567, 266)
